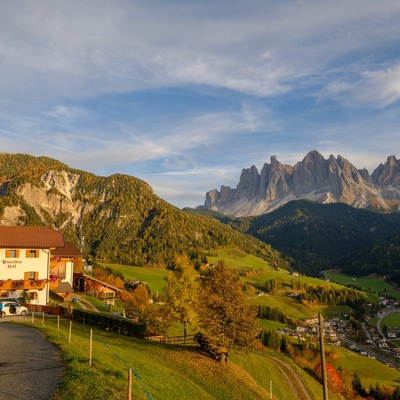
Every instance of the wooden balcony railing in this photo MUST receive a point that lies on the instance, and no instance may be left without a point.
(21, 284)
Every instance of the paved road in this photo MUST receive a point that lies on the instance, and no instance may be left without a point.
(30, 366)
(384, 314)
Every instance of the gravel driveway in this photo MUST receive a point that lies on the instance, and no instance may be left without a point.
(30, 366)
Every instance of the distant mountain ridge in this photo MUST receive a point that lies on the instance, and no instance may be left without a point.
(332, 180)
(120, 217)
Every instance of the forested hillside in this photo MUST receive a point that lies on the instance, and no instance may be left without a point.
(382, 257)
(319, 236)
(316, 236)
(120, 217)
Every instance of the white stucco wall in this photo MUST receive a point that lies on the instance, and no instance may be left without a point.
(69, 272)
(15, 268)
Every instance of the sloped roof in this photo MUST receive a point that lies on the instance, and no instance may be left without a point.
(115, 289)
(63, 287)
(31, 237)
(70, 250)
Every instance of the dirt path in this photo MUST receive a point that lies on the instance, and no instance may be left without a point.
(297, 388)
(84, 303)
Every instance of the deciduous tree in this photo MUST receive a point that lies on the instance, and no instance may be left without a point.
(181, 292)
(224, 313)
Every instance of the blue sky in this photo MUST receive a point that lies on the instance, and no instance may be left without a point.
(184, 94)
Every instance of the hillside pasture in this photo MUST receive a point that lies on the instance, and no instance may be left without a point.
(271, 325)
(240, 261)
(163, 371)
(373, 283)
(369, 370)
(259, 366)
(154, 277)
(290, 306)
(333, 311)
(392, 320)
(253, 271)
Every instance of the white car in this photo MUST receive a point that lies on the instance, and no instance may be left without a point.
(13, 308)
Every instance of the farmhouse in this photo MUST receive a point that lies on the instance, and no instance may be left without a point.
(90, 285)
(25, 254)
(64, 261)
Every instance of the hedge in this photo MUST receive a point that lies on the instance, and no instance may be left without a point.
(108, 322)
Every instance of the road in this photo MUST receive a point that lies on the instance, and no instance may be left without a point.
(384, 314)
(30, 366)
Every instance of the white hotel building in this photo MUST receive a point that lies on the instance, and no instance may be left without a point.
(25, 261)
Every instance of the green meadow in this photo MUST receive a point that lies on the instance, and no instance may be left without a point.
(163, 371)
(239, 260)
(369, 370)
(154, 277)
(392, 320)
(258, 272)
(374, 284)
(257, 365)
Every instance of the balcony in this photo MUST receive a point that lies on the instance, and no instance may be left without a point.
(21, 284)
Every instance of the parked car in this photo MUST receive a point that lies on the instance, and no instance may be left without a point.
(13, 308)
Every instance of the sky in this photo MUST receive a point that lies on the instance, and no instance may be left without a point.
(184, 94)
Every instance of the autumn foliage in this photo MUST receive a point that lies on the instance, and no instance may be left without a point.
(335, 382)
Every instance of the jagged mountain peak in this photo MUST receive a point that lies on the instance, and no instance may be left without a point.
(315, 178)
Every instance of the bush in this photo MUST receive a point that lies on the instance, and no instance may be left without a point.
(209, 346)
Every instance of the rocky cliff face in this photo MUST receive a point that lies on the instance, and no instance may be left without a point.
(313, 178)
(54, 196)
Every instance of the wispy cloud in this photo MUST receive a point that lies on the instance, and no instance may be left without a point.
(167, 90)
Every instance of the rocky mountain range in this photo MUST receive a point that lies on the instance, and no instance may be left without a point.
(332, 180)
(117, 219)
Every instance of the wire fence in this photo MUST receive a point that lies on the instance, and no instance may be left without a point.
(72, 326)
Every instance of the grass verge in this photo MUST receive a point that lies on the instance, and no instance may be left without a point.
(160, 371)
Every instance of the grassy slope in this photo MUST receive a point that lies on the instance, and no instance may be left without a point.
(392, 320)
(241, 261)
(370, 371)
(259, 366)
(166, 372)
(373, 283)
(154, 277)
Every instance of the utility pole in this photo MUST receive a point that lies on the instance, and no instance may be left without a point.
(323, 365)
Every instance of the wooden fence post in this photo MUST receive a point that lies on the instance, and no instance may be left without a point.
(90, 347)
(70, 332)
(33, 317)
(129, 384)
(58, 322)
(42, 318)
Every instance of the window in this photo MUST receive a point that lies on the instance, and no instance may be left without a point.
(4, 294)
(31, 275)
(32, 253)
(32, 295)
(12, 253)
